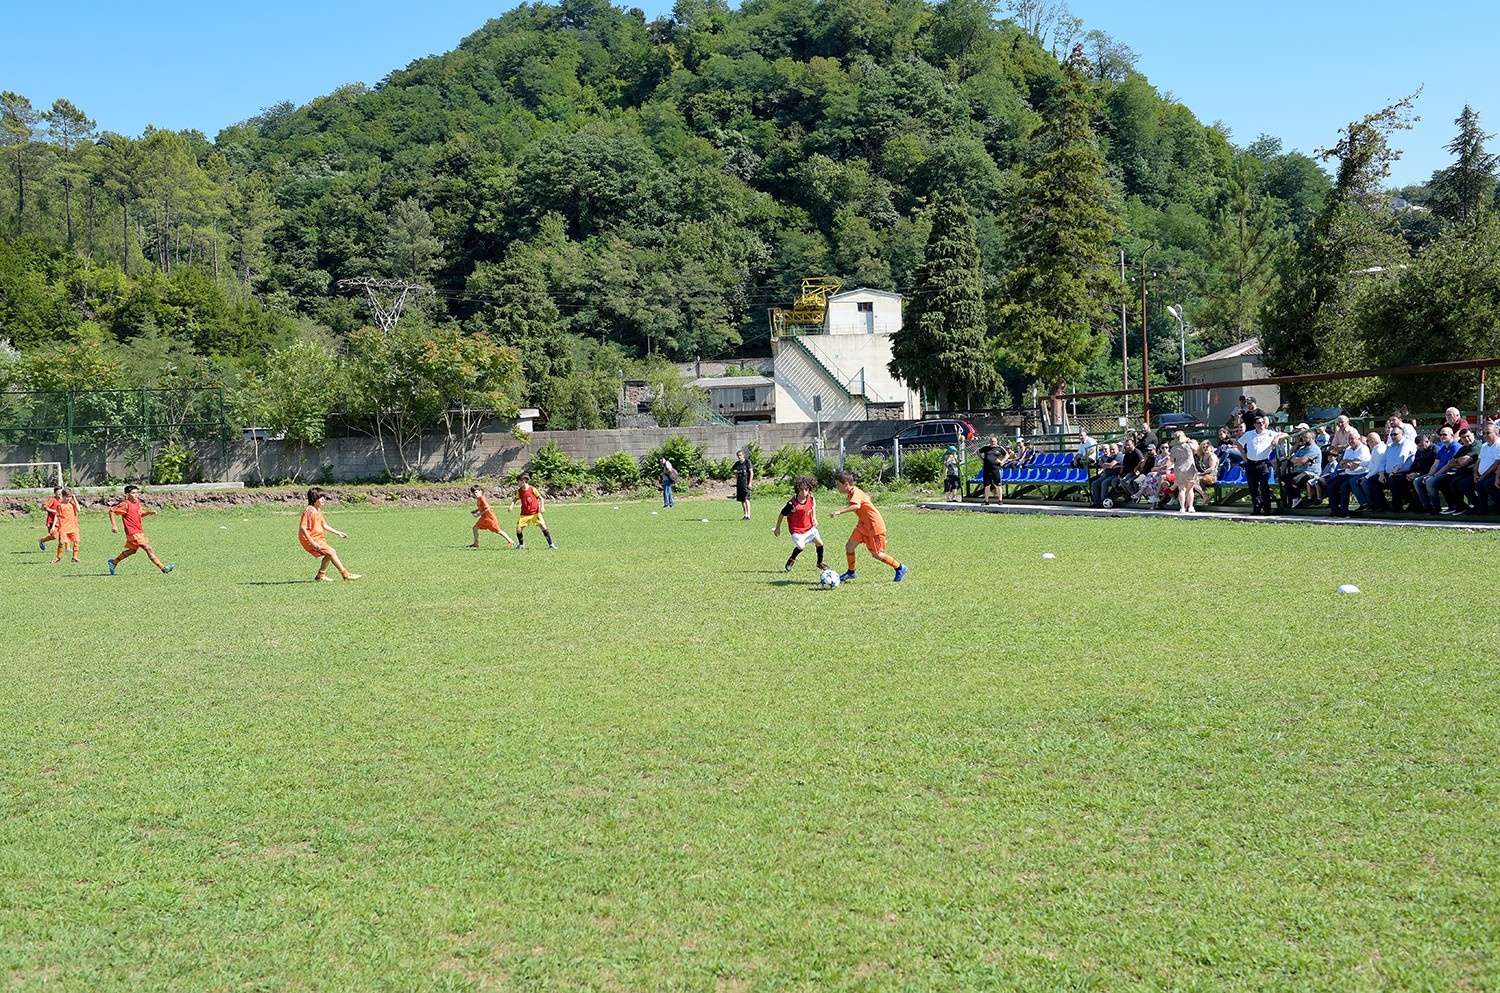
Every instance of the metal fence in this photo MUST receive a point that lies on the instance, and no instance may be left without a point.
(129, 429)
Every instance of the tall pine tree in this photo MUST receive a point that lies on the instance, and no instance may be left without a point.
(942, 347)
(1060, 290)
(1465, 189)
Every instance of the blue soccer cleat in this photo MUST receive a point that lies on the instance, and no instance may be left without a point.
(900, 572)
(42, 544)
(111, 567)
(844, 578)
(168, 569)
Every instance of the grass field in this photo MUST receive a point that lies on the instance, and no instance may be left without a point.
(1173, 758)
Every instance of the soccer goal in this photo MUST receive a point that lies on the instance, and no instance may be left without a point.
(30, 475)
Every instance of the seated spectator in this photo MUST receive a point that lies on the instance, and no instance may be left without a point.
(1460, 465)
(1321, 436)
(1395, 456)
(1228, 454)
(1088, 451)
(1343, 436)
(1208, 467)
(1130, 468)
(1426, 485)
(1403, 484)
(1455, 420)
(1479, 486)
(1378, 446)
(1156, 484)
(1354, 462)
(1301, 471)
(1109, 465)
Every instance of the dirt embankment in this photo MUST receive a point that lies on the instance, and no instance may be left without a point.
(386, 495)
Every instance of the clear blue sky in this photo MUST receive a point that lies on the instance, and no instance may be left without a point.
(1296, 70)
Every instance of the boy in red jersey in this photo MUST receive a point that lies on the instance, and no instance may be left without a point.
(531, 512)
(66, 526)
(801, 516)
(487, 520)
(51, 523)
(130, 511)
(870, 531)
(310, 532)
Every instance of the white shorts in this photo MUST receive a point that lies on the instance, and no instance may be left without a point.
(806, 538)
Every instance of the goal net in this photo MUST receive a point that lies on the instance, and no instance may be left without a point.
(30, 475)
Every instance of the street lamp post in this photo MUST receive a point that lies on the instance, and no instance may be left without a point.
(1145, 348)
(1176, 311)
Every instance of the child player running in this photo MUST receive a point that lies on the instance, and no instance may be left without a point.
(65, 528)
(870, 531)
(310, 533)
(130, 511)
(531, 512)
(51, 524)
(487, 520)
(801, 516)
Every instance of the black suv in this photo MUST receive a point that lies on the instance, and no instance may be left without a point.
(927, 434)
(1167, 423)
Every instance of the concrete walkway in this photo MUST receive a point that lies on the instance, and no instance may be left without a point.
(1235, 515)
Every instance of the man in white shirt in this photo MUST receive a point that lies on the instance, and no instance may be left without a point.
(1353, 464)
(1399, 449)
(1479, 486)
(1259, 448)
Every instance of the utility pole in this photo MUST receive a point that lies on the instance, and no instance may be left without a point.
(387, 297)
(1145, 348)
(1124, 344)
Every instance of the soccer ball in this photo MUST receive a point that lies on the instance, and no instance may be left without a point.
(828, 579)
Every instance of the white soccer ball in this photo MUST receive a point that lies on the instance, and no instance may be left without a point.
(828, 579)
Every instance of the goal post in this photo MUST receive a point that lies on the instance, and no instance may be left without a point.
(30, 475)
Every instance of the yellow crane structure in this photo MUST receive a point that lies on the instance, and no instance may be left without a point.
(807, 312)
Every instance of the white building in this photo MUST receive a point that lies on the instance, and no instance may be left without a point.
(1237, 363)
(740, 399)
(842, 372)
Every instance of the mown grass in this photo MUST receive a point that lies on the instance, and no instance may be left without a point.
(1173, 758)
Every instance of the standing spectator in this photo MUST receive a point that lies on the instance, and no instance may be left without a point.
(1425, 486)
(1353, 464)
(1400, 450)
(1303, 467)
(1455, 420)
(952, 477)
(668, 480)
(744, 476)
(1404, 484)
(1479, 486)
(1184, 471)
(1251, 412)
(1462, 464)
(1259, 447)
(991, 457)
(1109, 471)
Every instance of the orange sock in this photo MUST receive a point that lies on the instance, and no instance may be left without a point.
(882, 556)
(850, 556)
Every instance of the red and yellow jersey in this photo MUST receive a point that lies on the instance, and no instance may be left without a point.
(130, 514)
(531, 501)
(799, 516)
(870, 520)
(311, 524)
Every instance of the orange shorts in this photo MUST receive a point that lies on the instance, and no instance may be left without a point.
(315, 549)
(67, 536)
(488, 522)
(874, 542)
(137, 540)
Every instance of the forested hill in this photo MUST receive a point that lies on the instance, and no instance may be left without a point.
(573, 175)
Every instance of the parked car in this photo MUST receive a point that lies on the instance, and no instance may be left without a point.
(927, 434)
(1168, 423)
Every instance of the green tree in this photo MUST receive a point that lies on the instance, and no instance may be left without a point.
(1465, 189)
(1307, 324)
(68, 126)
(18, 134)
(942, 348)
(1058, 292)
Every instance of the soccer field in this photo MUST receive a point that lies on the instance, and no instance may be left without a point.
(1171, 758)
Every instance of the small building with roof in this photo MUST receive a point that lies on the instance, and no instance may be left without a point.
(1237, 362)
(741, 399)
(839, 370)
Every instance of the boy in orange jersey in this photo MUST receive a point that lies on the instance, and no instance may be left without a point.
(65, 528)
(531, 512)
(310, 533)
(51, 523)
(870, 531)
(130, 511)
(487, 520)
(801, 516)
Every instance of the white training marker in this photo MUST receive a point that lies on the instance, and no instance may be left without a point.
(653, 513)
(223, 527)
(1348, 588)
(705, 520)
(1048, 555)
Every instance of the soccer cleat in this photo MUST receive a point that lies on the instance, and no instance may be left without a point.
(42, 544)
(900, 573)
(320, 578)
(111, 567)
(845, 577)
(168, 569)
(352, 576)
(788, 566)
(75, 560)
(551, 546)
